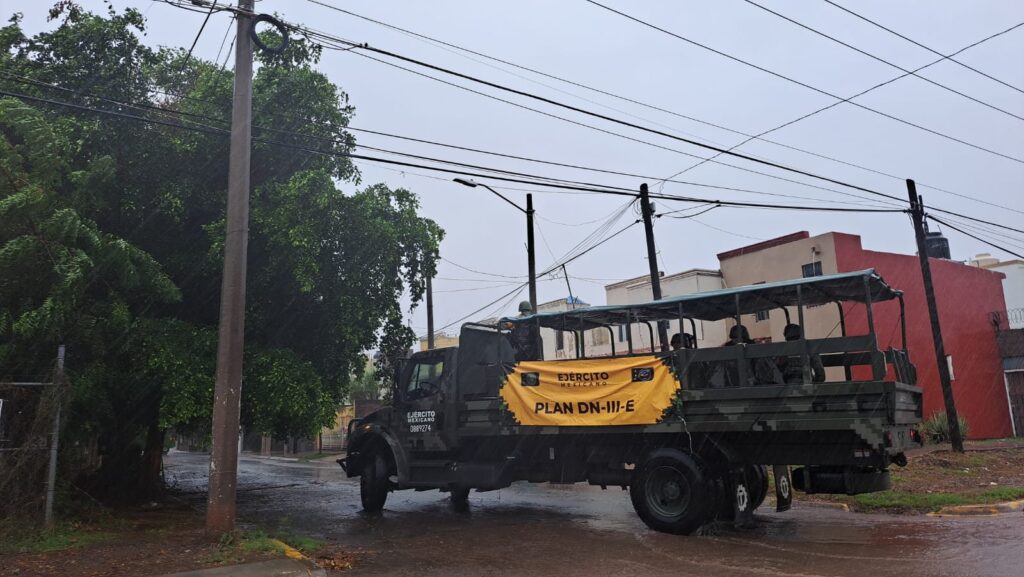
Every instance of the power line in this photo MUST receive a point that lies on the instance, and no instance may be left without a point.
(195, 41)
(594, 189)
(730, 232)
(522, 286)
(861, 93)
(231, 24)
(613, 133)
(804, 84)
(561, 78)
(689, 215)
(882, 60)
(166, 111)
(605, 117)
(916, 43)
(600, 170)
(213, 130)
(468, 269)
(977, 238)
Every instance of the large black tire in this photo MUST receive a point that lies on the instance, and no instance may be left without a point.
(670, 492)
(374, 483)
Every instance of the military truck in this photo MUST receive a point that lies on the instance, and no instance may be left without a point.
(690, 432)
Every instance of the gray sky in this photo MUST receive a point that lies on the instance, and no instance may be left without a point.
(581, 42)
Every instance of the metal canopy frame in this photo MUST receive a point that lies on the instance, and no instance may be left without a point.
(861, 286)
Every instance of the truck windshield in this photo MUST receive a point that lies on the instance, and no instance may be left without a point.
(424, 378)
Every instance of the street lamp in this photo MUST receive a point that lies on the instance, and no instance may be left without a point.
(529, 232)
(473, 184)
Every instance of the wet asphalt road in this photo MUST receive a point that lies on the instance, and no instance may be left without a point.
(565, 531)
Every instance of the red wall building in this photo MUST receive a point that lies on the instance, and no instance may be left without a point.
(966, 297)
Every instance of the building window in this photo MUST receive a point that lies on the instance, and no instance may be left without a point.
(761, 316)
(812, 269)
(559, 340)
(622, 333)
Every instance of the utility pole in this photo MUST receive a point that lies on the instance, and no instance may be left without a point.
(652, 260)
(530, 255)
(917, 215)
(430, 314)
(220, 510)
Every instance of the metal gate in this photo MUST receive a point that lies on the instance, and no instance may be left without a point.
(1015, 394)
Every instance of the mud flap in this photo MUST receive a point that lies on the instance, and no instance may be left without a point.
(743, 510)
(783, 488)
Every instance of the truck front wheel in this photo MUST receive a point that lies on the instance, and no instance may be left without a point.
(670, 493)
(374, 483)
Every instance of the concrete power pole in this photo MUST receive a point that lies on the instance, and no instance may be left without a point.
(220, 510)
(530, 254)
(652, 260)
(917, 214)
(430, 314)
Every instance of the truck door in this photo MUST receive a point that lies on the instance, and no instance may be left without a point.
(425, 389)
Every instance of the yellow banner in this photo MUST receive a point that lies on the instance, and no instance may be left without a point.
(595, 392)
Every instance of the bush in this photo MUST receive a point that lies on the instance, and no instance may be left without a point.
(936, 427)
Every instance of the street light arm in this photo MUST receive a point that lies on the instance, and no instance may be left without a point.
(473, 184)
(503, 197)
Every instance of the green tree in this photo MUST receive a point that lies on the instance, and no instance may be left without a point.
(327, 268)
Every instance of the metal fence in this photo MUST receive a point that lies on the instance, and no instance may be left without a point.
(30, 415)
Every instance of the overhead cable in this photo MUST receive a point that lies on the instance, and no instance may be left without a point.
(883, 60)
(561, 78)
(916, 43)
(977, 238)
(804, 84)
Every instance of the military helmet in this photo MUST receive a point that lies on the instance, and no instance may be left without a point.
(525, 307)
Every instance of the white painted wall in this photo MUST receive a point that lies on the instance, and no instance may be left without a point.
(1013, 290)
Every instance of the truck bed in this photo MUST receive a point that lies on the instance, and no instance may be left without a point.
(868, 415)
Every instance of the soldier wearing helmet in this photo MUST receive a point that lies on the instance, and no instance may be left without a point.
(525, 337)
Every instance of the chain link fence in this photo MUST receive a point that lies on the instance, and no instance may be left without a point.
(29, 431)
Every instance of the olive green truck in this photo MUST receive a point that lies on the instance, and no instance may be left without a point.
(691, 432)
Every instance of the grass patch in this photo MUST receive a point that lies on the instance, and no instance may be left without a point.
(61, 537)
(307, 545)
(236, 546)
(903, 501)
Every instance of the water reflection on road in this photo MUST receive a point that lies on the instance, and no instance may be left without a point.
(574, 530)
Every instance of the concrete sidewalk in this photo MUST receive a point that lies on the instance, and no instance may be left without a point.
(274, 568)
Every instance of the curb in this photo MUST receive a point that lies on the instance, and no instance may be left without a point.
(980, 510)
(275, 568)
(826, 505)
(291, 552)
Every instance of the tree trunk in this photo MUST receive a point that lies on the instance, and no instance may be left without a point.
(152, 462)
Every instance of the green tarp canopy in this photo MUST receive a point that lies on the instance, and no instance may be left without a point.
(722, 304)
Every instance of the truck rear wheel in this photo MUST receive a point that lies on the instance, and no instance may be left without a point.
(374, 483)
(757, 477)
(670, 493)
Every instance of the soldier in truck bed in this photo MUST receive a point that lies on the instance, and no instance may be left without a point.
(525, 337)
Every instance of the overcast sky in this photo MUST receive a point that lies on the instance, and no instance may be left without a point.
(580, 42)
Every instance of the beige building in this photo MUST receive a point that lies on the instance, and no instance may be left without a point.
(793, 256)
(637, 290)
(441, 340)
